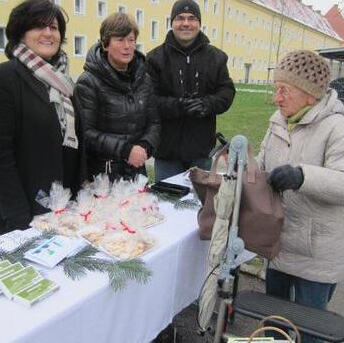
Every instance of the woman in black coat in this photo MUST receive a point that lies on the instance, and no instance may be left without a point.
(115, 95)
(39, 141)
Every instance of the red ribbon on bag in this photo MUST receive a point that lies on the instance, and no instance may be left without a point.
(142, 190)
(86, 215)
(63, 210)
(127, 227)
(110, 227)
(124, 202)
(99, 196)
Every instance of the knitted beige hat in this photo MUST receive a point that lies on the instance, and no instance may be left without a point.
(305, 70)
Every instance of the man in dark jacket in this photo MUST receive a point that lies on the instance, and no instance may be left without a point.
(192, 86)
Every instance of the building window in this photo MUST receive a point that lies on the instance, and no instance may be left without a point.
(168, 23)
(56, 2)
(101, 8)
(155, 2)
(79, 6)
(154, 30)
(204, 29)
(227, 37)
(205, 5)
(122, 9)
(214, 33)
(228, 11)
(139, 17)
(79, 45)
(215, 8)
(2, 38)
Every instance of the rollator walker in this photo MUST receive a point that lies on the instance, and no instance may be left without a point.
(321, 324)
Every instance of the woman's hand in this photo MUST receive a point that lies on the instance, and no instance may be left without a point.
(137, 156)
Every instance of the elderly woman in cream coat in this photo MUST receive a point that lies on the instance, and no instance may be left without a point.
(303, 150)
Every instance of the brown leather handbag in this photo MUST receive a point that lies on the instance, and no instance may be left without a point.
(261, 212)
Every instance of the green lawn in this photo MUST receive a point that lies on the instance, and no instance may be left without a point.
(249, 115)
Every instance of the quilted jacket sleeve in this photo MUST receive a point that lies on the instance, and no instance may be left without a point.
(219, 101)
(87, 103)
(327, 183)
(151, 137)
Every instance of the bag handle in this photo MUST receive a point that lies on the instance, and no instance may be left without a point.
(252, 166)
(285, 320)
(213, 170)
(271, 328)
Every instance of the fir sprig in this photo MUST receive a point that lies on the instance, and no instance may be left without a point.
(190, 204)
(76, 267)
(17, 255)
(119, 272)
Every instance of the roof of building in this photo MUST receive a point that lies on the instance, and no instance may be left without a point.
(300, 12)
(335, 18)
(332, 53)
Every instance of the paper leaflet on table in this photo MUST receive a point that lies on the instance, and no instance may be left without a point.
(52, 251)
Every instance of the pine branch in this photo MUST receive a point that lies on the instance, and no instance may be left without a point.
(178, 204)
(76, 267)
(188, 204)
(17, 255)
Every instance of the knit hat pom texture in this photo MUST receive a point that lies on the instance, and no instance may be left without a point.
(305, 70)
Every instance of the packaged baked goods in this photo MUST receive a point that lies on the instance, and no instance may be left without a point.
(56, 200)
(125, 246)
(101, 186)
(84, 206)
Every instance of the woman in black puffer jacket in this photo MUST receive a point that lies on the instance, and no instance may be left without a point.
(115, 95)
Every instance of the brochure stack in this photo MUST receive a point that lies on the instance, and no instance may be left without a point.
(24, 284)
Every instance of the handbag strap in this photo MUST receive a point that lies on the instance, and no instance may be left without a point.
(285, 320)
(271, 328)
(213, 170)
(252, 165)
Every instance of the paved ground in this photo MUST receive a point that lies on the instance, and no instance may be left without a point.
(243, 326)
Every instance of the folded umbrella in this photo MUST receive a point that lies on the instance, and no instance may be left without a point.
(223, 204)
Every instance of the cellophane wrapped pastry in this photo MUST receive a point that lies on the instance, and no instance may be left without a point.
(58, 202)
(117, 212)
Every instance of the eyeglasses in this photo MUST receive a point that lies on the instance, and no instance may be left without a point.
(191, 19)
(123, 40)
(284, 91)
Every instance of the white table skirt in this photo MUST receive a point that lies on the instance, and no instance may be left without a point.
(89, 311)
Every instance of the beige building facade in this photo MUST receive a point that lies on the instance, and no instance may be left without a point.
(254, 33)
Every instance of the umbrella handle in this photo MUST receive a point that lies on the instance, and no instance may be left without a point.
(285, 320)
(271, 328)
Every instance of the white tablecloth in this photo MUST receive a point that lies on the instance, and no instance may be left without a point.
(88, 310)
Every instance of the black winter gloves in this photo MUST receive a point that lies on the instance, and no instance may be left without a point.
(286, 177)
(194, 106)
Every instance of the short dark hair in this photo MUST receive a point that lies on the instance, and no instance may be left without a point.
(117, 25)
(29, 15)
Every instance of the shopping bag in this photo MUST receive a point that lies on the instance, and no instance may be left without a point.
(261, 213)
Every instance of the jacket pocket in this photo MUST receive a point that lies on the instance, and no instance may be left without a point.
(322, 239)
(297, 237)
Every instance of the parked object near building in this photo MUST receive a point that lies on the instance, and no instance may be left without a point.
(252, 33)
